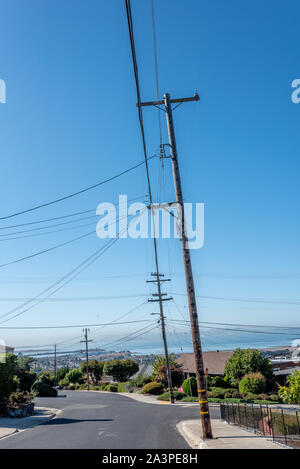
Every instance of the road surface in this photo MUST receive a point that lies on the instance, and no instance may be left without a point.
(96, 420)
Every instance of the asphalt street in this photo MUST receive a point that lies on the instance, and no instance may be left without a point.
(90, 420)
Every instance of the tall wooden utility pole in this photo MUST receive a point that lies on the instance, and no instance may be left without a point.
(200, 375)
(55, 383)
(160, 299)
(87, 356)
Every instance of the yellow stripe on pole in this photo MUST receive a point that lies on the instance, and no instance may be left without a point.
(204, 412)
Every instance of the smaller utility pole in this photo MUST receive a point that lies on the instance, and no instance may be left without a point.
(160, 299)
(85, 331)
(55, 365)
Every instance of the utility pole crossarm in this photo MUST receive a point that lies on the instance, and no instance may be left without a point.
(178, 100)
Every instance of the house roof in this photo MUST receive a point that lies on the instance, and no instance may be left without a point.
(5, 348)
(287, 371)
(215, 361)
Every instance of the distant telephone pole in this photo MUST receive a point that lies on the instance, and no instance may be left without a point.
(200, 374)
(55, 365)
(86, 341)
(160, 298)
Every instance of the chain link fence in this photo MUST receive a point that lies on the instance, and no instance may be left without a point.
(280, 425)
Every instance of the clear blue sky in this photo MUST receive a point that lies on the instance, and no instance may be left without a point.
(70, 121)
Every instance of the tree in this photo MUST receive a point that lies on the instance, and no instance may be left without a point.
(73, 376)
(8, 380)
(121, 370)
(61, 373)
(24, 363)
(160, 371)
(95, 370)
(25, 376)
(245, 361)
(46, 377)
(291, 393)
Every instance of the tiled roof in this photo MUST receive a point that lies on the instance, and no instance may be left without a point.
(215, 361)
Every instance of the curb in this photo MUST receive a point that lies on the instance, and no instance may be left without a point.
(11, 431)
(189, 436)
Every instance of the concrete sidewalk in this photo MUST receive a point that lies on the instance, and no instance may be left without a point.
(148, 399)
(9, 426)
(225, 437)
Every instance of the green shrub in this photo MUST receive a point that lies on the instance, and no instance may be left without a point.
(274, 397)
(166, 396)
(236, 394)
(7, 383)
(243, 362)
(233, 400)
(140, 381)
(46, 377)
(214, 399)
(217, 389)
(261, 402)
(189, 399)
(152, 388)
(250, 397)
(291, 393)
(72, 387)
(73, 376)
(82, 387)
(61, 373)
(112, 388)
(253, 382)
(19, 398)
(263, 397)
(121, 387)
(26, 380)
(190, 384)
(218, 381)
(44, 390)
(215, 393)
(228, 393)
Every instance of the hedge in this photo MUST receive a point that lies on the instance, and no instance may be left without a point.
(152, 388)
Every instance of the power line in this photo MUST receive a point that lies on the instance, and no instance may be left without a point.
(156, 69)
(57, 224)
(96, 330)
(66, 279)
(140, 115)
(76, 325)
(247, 300)
(78, 192)
(57, 246)
(85, 298)
(235, 330)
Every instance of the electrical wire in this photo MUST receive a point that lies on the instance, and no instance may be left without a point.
(57, 246)
(247, 300)
(66, 278)
(57, 224)
(235, 330)
(80, 191)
